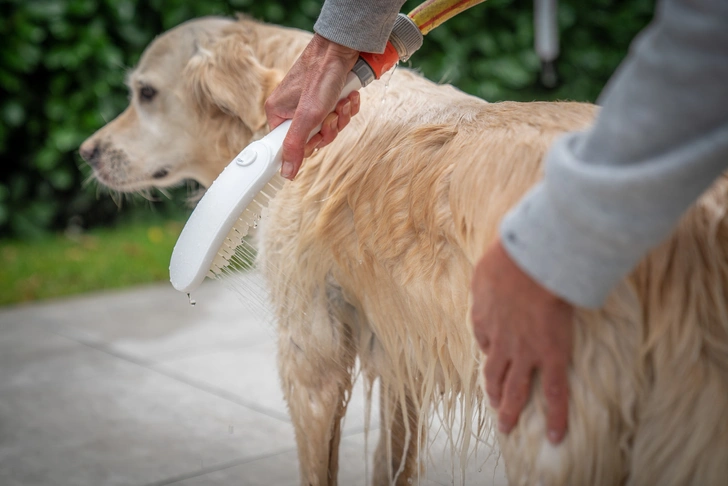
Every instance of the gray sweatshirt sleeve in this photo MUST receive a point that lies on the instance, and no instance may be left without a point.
(613, 192)
(361, 25)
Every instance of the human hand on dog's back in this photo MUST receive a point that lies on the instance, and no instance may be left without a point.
(308, 95)
(522, 327)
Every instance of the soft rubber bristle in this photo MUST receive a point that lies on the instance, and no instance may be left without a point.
(249, 218)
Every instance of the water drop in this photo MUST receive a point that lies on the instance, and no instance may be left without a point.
(388, 78)
(192, 302)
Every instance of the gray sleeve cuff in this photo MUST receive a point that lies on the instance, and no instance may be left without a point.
(363, 26)
(586, 226)
(566, 259)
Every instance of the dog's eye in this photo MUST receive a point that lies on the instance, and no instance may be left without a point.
(147, 93)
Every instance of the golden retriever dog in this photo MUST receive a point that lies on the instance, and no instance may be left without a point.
(368, 256)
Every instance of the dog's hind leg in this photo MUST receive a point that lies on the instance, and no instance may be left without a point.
(396, 456)
(683, 435)
(316, 358)
(604, 393)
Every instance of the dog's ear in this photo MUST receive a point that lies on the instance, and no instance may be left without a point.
(228, 75)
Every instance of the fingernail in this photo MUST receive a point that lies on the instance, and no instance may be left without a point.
(503, 428)
(287, 170)
(554, 436)
(494, 402)
(346, 109)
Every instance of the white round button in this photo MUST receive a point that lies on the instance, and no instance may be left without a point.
(247, 157)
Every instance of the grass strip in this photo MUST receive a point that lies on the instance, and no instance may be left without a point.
(106, 258)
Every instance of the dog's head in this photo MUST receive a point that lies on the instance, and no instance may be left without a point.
(196, 98)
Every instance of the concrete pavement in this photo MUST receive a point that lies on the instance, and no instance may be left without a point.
(140, 388)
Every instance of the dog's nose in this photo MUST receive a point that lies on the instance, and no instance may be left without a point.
(90, 152)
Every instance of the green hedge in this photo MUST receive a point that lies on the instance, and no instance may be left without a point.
(63, 62)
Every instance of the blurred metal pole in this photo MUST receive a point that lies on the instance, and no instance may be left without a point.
(546, 34)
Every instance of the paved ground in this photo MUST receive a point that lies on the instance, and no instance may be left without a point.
(140, 388)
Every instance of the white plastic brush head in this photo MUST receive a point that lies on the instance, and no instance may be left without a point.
(222, 217)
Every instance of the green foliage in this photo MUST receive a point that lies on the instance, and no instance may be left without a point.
(62, 70)
(488, 50)
(63, 62)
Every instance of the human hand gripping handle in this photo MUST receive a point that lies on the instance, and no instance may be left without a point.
(308, 95)
(522, 328)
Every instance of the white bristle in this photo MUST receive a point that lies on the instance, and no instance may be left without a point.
(232, 252)
(254, 207)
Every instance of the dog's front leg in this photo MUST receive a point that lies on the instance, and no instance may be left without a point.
(316, 360)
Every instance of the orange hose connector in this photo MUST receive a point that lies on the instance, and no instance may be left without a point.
(425, 17)
(434, 12)
(381, 63)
